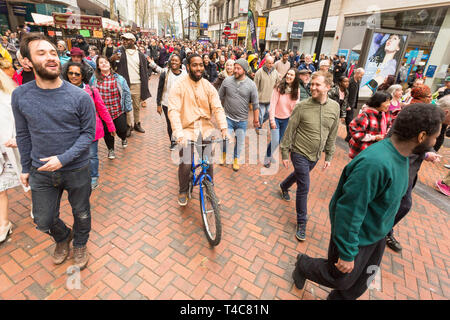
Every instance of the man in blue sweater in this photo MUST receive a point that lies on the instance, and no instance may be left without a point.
(55, 124)
(365, 203)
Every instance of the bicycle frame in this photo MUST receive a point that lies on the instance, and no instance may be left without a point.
(197, 180)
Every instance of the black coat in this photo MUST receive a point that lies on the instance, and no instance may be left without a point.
(353, 93)
(122, 69)
(211, 72)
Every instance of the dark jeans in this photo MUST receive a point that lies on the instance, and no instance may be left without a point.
(46, 191)
(405, 206)
(121, 130)
(276, 136)
(347, 286)
(184, 169)
(169, 126)
(348, 119)
(302, 167)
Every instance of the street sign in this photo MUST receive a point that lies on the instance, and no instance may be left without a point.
(227, 30)
(297, 29)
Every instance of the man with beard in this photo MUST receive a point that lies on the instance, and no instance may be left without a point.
(236, 93)
(133, 67)
(365, 203)
(55, 125)
(192, 102)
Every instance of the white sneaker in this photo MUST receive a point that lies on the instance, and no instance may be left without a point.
(5, 231)
(447, 166)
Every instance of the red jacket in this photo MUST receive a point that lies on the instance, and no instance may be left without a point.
(102, 112)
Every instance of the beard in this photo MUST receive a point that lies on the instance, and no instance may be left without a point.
(194, 77)
(45, 74)
(423, 147)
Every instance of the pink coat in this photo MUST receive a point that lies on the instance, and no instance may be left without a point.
(102, 113)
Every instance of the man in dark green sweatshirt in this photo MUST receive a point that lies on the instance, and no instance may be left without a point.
(365, 203)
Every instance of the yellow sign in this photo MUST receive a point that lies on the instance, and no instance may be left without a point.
(262, 21)
(262, 33)
(242, 29)
(98, 34)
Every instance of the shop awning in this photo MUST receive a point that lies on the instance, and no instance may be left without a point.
(41, 20)
(112, 25)
(76, 21)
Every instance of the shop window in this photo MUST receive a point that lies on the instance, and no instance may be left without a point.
(269, 4)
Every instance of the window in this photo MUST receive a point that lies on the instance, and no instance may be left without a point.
(232, 9)
(269, 4)
(283, 2)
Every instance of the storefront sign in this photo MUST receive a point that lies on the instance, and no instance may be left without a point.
(343, 52)
(430, 71)
(262, 22)
(242, 29)
(297, 29)
(85, 33)
(98, 34)
(243, 6)
(262, 33)
(76, 21)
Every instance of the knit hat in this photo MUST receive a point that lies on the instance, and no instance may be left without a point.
(76, 52)
(243, 63)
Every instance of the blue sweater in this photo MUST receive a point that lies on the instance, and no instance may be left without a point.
(56, 122)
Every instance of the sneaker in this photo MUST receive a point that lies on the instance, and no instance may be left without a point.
(445, 189)
(284, 194)
(299, 280)
(62, 250)
(236, 164)
(173, 145)
(182, 199)
(393, 243)
(80, 257)
(447, 166)
(111, 154)
(267, 163)
(301, 232)
(124, 143)
(5, 232)
(94, 183)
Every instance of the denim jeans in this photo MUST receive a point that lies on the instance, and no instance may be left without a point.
(93, 159)
(276, 136)
(263, 113)
(239, 127)
(46, 192)
(302, 167)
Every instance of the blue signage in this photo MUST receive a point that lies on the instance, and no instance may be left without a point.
(297, 30)
(430, 71)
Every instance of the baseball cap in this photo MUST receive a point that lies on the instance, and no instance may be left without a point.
(304, 71)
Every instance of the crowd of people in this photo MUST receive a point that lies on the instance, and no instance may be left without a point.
(99, 93)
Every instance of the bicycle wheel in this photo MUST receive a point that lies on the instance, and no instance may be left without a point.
(210, 213)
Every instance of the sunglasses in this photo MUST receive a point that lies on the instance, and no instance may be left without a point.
(76, 74)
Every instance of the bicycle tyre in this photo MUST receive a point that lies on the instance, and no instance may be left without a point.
(212, 211)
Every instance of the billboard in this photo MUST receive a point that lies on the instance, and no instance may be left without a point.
(382, 54)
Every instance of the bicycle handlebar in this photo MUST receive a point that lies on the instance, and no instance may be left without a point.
(193, 143)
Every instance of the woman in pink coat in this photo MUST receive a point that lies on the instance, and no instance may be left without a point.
(75, 76)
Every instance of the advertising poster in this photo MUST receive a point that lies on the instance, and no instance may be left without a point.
(343, 52)
(251, 25)
(383, 58)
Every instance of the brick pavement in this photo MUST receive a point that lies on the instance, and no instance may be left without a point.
(143, 246)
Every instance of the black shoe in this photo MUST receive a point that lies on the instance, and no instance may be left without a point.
(138, 128)
(285, 194)
(299, 280)
(301, 232)
(129, 129)
(173, 145)
(393, 243)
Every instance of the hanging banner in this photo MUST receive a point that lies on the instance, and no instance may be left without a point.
(251, 25)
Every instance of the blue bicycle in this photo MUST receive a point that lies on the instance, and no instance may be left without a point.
(209, 205)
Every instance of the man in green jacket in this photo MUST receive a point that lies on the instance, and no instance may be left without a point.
(312, 128)
(365, 203)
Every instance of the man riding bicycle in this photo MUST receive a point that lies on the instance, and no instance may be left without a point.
(192, 101)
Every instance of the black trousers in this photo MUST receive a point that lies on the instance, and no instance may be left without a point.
(347, 286)
(185, 166)
(348, 119)
(405, 206)
(169, 126)
(121, 130)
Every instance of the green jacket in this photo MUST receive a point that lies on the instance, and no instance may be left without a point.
(312, 128)
(367, 198)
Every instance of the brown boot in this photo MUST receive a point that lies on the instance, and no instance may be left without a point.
(138, 128)
(62, 250)
(81, 257)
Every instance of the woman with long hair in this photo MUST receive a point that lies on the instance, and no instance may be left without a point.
(227, 72)
(116, 95)
(389, 81)
(75, 74)
(372, 124)
(284, 97)
(10, 168)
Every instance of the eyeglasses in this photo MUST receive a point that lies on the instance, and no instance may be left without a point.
(76, 74)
